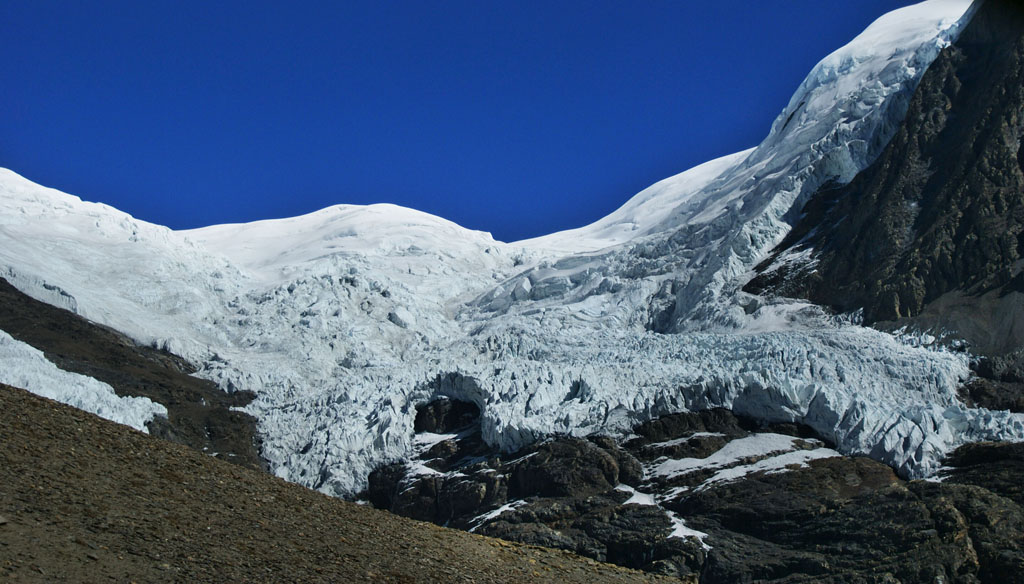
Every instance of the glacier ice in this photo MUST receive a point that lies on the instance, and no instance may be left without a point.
(343, 320)
(27, 368)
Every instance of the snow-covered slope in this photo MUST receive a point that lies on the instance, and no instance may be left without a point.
(277, 248)
(840, 117)
(697, 233)
(641, 214)
(343, 320)
(145, 280)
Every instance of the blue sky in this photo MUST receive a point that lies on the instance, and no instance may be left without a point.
(518, 118)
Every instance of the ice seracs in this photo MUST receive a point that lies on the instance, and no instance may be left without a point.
(345, 319)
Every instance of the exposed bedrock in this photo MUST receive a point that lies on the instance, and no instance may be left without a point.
(713, 497)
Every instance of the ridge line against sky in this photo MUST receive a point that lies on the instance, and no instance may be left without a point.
(520, 119)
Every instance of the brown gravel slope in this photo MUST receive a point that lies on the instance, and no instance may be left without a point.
(86, 500)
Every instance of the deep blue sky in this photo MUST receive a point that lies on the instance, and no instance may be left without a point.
(518, 118)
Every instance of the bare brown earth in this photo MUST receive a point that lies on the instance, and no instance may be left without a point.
(86, 500)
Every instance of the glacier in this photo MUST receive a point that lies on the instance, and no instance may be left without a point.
(344, 320)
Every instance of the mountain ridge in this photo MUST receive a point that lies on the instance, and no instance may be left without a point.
(340, 347)
(929, 236)
(671, 387)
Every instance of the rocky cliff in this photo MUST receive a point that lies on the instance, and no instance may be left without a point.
(932, 233)
(717, 498)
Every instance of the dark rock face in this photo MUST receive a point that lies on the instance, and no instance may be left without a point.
(996, 467)
(563, 468)
(678, 425)
(942, 209)
(833, 519)
(993, 394)
(918, 532)
(199, 414)
(604, 529)
(445, 415)
(844, 520)
(558, 493)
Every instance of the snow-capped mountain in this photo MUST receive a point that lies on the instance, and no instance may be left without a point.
(343, 320)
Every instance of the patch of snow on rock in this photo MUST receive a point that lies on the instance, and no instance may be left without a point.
(756, 445)
(680, 530)
(636, 497)
(480, 520)
(770, 465)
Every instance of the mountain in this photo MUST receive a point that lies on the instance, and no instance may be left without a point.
(838, 291)
(929, 236)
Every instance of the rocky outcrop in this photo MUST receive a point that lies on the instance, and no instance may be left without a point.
(940, 212)
(558, 493)
(565, 467)
(713, 497)
(846, 520)
(605, 529)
